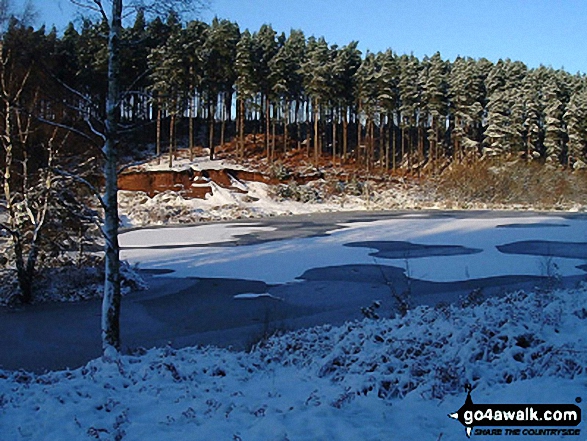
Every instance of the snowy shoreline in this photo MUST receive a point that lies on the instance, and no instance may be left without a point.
(257, 200)
(372, 379)
(391, 378)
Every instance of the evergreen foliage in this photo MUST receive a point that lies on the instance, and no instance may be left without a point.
(405, 112)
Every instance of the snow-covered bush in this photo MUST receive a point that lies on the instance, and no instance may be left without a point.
(373, 379)
(70, 283)
(435, 351)
(299, 193)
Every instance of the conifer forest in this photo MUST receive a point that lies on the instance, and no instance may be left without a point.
(209, 83)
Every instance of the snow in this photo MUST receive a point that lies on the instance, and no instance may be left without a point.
(255, 296)
(369, 380)
(184, 163)
(186, 236)
(167, 208)
(286, 260)
(394, 378)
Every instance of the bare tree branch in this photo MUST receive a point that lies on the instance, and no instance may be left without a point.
(7, 228)
(70, 128)
(70, 89)
(88, 184)
(96, 132)
(92, 5)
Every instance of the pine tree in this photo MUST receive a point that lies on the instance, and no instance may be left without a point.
(134, 66)
(434, 106)
(346, 63)
(409, 99)
(169, 80)
(515, 75)
(286, 76)
(554, 132)
(226, 35)
(67, 57)
(367, 93)
(265, 48)
(317, 76)
(388, 98)
(92, 55)
(496, 133)
(575, 118)
(533, 113)
(246, 82)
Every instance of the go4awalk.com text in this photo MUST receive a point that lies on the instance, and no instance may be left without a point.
(519, 419)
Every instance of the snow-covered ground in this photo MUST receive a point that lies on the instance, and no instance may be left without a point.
(252, 200)
(184, 163)
(284, 261)
(259, 200)
(388, 379)
(137, 209)
(392, 379)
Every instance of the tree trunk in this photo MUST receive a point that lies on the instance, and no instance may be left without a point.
(211, 114)
(382, 151)
(297, 123)
(393, 145)
(223, 123)
(403, 150)
(273, 134)
(171, 139)
(267, 124)
(316, 131)
(359, 134)
(345, 135)
(388, 142)
(241, 128)
(286, 124)
(334, 140)
(158, 131)
(371, 144)
(191, 129)
(111, 301)
(308, 128)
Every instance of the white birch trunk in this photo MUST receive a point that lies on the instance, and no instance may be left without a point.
(111, 301)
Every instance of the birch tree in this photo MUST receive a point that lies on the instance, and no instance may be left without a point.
(37, 223)
(110, 323)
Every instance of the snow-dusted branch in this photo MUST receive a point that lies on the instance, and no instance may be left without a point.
(69, 128)
(95, 191)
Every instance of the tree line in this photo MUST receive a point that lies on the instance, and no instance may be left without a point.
(378, 109)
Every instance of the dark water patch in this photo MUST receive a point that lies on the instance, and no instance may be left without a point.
(203, 295)
(408, 250)
(396, 281)
(571, 250)
(582, 267)
(202, 311)
(362, 273)
(155, 271)
(533, 225)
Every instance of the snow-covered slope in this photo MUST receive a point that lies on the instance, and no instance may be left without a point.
(370, 380)
(258, 199)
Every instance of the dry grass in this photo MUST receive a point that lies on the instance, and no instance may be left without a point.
(511, 183)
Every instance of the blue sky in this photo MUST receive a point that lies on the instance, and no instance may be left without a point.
(549, 32)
